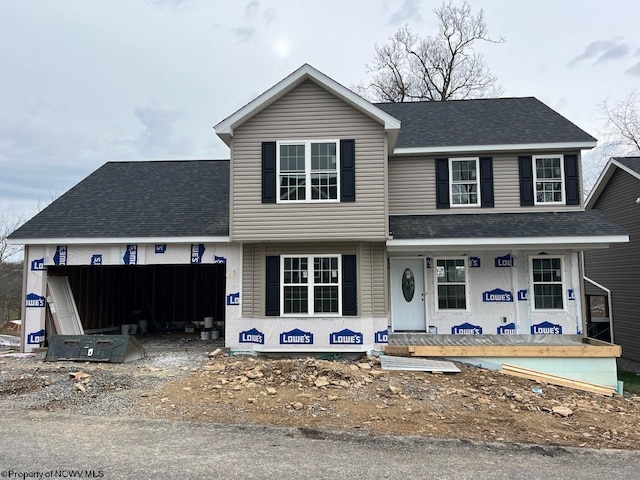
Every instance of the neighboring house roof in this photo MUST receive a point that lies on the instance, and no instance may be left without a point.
(508, 229)
(225, 128)
(137, 200)
(631, 165)
(495, 124)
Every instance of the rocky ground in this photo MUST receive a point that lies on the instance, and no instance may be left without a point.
(313, 394)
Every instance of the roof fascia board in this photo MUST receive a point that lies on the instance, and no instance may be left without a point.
(225, 128)
(115, 240)
(494, 148)
(603, 241)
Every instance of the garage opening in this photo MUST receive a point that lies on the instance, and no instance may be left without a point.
(167, 296)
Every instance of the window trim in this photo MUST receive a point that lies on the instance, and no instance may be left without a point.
(307, 169)
(466, 285)
(534, 158)
(532, 296)
(310, 285)
(478, 203)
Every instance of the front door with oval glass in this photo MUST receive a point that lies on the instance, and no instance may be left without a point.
(407, 294)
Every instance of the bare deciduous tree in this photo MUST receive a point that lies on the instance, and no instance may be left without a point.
(8, 225)
(440, 67)
(623, 123)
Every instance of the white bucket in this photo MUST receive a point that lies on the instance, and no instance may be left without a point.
(215, 335)
(124, 329)
(208, 322)
(205, 335)
(143, 325)
(133, 329)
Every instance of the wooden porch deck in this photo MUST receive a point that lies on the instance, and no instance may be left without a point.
(429, 345)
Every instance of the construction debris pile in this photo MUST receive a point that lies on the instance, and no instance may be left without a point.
(358, 395)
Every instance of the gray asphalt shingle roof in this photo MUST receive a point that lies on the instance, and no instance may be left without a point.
(630, 162)
(495, 121)
(502, 225)
(140, 199)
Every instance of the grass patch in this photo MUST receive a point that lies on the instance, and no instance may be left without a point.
(631, 382)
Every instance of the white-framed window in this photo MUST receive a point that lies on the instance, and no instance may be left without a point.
(547, 283)
(451, 283)
(308, 171)
(464, 182)
(311, 285)
(548, 179)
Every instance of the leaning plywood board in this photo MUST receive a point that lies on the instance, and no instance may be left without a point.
(389, 362)
(62, 306)
(556, 380)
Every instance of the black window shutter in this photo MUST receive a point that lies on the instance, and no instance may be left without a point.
(273, 286)
(349, 285)
(486, 182)
(526, 180)
(269, 172)
(571, 180)
(442, 183)
(347, 170)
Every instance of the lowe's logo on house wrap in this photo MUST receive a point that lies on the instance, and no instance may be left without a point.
(197, 250)
(251, 336)
(474, 262)
(346, 337)
(505, 261)
(428, 262)
(35, 300)
(160, 248)
(131, 255)
(296, 337)
(37, 264)
(60, 257)
(546, 327)
(382, 336)
(497, 295)
(233, 299)
(96, 259)
(508, 329)
(571, 295)
(35, 338)
(219, 260)
(523, 295)
(466, 329)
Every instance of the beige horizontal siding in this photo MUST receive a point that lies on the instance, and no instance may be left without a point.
(371, 273)
(308, 112)
(412, 187)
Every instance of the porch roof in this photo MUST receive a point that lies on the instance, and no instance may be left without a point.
(572, 229)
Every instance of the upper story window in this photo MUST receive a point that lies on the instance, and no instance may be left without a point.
(308, 171)
(548, 179)
(465, 182)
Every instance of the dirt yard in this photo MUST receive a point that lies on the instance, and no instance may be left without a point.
(475, 404)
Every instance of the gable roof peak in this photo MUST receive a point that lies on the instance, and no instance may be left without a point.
(225, 128)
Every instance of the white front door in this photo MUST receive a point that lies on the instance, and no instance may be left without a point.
(407, 294)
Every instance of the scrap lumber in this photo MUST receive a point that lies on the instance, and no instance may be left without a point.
(590, 351)
(391, 362)
(521, 372)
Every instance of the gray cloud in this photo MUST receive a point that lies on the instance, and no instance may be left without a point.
(243, 34)
(158, 138)
(409, 10)
(602, 51)
(251, 9)
(634, 71)
(268, 16)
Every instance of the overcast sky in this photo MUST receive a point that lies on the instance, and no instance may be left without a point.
(85, 82)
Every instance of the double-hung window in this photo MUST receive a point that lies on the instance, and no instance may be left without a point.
(451, 281)
(311, 285)
(465, 182)
(308, 171)
(548, 179)
(547, 283)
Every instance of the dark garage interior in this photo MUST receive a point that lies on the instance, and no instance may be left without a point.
(167, 296)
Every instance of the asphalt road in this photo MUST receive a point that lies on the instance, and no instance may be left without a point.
(40, 444)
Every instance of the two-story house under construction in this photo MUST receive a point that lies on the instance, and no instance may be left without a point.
(335, 223)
